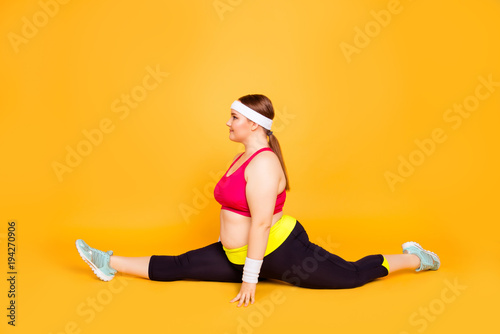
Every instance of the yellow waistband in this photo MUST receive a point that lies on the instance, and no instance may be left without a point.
(278, 233)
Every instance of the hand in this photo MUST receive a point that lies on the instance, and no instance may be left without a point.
(247, 292)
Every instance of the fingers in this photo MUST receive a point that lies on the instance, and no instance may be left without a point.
(241, 298)
(235, 298)
(249, 299)
(246, 298)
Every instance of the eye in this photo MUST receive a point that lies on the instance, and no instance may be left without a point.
(234, 117)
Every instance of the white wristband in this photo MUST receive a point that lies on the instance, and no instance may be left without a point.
(251, 270)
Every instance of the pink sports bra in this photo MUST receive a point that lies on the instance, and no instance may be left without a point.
(230, 191)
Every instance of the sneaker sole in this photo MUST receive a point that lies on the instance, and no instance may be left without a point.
(413, 243)
(96, 270)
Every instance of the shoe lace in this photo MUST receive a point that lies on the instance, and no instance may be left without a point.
(429, 261)
(98, 258)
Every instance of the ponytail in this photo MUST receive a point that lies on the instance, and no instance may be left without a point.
(275, 146)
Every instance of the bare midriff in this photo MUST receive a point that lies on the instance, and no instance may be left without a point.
(235, 228)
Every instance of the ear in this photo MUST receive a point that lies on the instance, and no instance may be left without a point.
(254, 126)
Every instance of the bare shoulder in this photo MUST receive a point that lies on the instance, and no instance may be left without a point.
(265, 161)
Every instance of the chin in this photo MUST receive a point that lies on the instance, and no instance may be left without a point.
(232, 138)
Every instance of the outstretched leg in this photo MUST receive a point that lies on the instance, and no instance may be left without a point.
(208, 263)
(402, 261)
(303, 263)
(137, 266)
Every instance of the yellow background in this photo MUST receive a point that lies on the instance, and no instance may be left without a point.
(342, 123)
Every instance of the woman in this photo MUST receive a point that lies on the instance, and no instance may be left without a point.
(256, 238)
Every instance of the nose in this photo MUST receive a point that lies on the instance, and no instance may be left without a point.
(228, 123)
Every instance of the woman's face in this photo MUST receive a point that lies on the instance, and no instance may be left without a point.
(239, 126)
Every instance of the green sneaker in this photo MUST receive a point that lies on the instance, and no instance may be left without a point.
(428, 260)
(97, 260)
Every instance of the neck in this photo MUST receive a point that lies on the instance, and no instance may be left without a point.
(255, 144)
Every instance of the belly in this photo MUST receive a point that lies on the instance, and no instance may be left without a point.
(235, 228)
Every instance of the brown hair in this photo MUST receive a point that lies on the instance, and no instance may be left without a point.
(264, 106)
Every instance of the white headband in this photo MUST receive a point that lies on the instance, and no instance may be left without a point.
(252, 115)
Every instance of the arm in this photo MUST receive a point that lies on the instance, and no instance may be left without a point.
(263, 176)
(262, 191)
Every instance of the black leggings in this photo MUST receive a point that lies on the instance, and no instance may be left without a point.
(297, 261)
